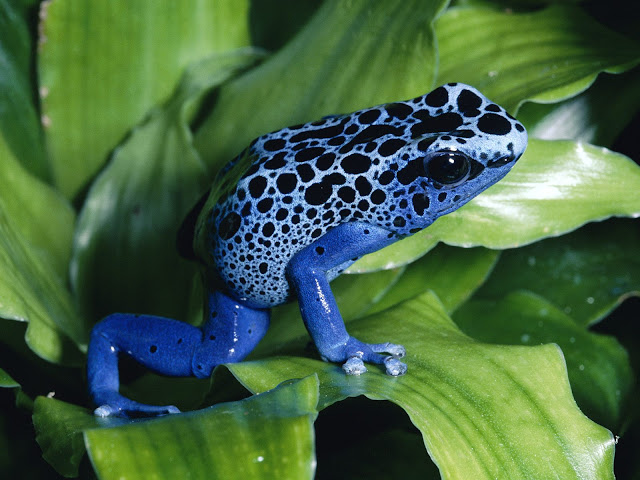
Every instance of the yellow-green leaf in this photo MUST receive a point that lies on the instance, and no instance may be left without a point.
(104, 64)
(485, 411)
(550, 191)
(545, 56)
(338, 63)
(263, 437)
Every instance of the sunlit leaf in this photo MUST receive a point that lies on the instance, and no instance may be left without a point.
(549, 192)
(598, 115)
(545, 56)
(599, 370)
(266, 436)
(103, 64)
(484, 410)
(339, 62)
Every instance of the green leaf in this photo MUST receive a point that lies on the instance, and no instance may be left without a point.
(19, 120)
(95, 85)
(59, 426)
(544, 56)
(338, 63)
(125, 242)
(36, 225)
(596, 116)
(451, 273)
(6, 381)
(549, 192)
(586, 273)
(598, 366)
(457, 392)
(266, 436)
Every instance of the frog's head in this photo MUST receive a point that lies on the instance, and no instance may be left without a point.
(476, 146)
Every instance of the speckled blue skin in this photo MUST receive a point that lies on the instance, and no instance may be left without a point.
(295, 209)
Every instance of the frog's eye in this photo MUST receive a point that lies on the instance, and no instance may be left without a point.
(448, 168)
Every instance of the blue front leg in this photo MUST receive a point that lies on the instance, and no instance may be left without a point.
(307, 271)
(169, 347)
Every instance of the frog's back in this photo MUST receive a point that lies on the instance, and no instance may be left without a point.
(293, 185)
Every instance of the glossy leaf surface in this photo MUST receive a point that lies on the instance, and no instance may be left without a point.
(598, 366)
(597, 115)
(586, 273)
(265, 436)
(456, 392)
(547, 193)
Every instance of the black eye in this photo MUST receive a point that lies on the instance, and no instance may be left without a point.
(448, 168)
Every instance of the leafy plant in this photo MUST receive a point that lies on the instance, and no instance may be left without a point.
(115, 116)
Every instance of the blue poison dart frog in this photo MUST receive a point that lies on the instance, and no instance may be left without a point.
(294, 210)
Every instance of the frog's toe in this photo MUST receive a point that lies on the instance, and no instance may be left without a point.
(397, 351)
(112, 404)
(135, 412)
(354, 366)
(105, 411)
(394, 366)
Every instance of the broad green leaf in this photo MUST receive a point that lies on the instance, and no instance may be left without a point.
(103, 64)
(267, 436)
(451, 273)
(6, 381)
(339, 62)
(549, 194)
(597, 115)
(485, 411)
(125, 256)
(599, 371)
(586, 273)
(19, 120)
(59, 426)
(550, 191)
(41, 216)
(36, 225)
(543, 56)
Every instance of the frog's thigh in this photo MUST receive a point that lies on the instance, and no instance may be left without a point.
(160, 344)
(307, 271)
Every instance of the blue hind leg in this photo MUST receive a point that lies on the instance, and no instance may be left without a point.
(168, 347)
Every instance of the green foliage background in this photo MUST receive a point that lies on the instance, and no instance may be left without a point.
(518, 311)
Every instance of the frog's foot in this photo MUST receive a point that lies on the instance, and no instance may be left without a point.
(112, 404)
(356, 353)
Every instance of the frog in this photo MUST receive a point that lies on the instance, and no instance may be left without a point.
(294, 210)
